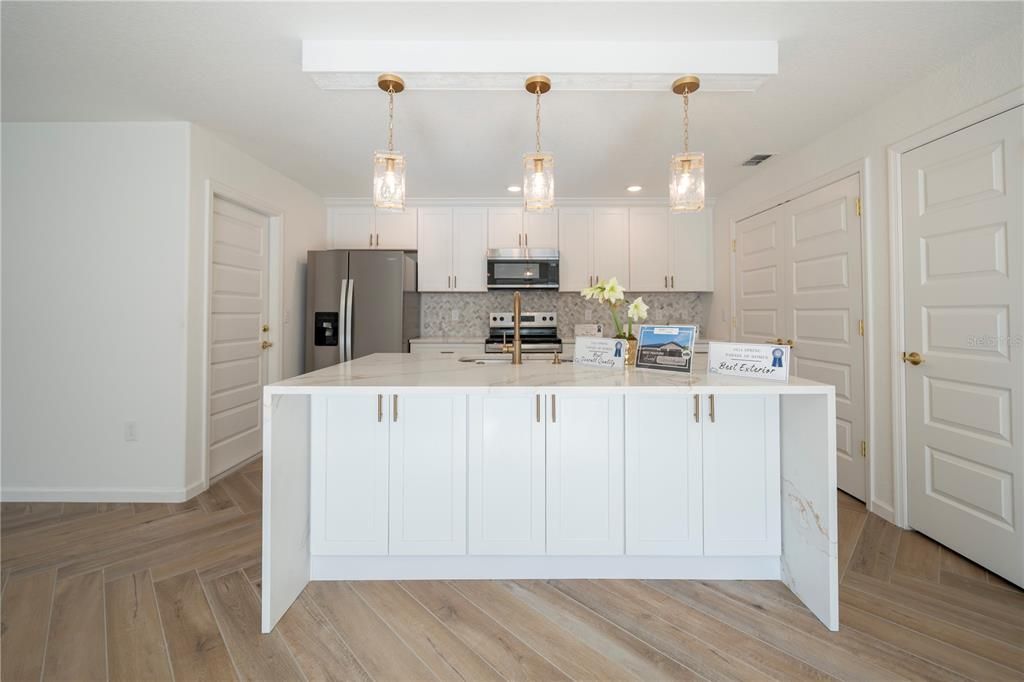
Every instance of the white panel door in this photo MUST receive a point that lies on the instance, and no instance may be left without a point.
(823, 285)
(575, 248)
(585, 451)
(427, 445)
(504, 228)
(506, 474)
(349, 483)
(663, 478)
(395, 230)
(540, 230)
(760, 259)
(742, 485)
(963, 253)
(469, 249)
(648, 249)
(434, 261)
(350, 228)
(239, 286)
(692, 266)
(611, 245)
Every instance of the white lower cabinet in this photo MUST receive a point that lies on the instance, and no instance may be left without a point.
(349, 491)
(506, 473)
(585, 443)
(663, 476)
(742, 484)
(427, 454)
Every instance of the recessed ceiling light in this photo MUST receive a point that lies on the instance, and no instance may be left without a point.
(634, 188)
(514, 188)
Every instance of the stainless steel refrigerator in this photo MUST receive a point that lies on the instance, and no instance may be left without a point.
(358, 303)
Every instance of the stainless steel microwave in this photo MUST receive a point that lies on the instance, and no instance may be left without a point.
(522, 268)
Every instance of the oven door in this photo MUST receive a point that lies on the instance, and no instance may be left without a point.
(522, 272)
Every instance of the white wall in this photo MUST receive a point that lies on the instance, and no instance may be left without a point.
(304, 227)
(94, 309)
(103, 303)
(985, 73)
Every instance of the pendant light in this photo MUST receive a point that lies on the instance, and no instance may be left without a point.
(389, 166)
(686, 188)
(539, 167)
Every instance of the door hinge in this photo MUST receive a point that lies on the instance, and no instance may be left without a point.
(857, 205)
(734, 246)
(863, 449)
(860, 327)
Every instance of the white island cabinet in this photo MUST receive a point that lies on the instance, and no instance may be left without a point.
(406, 467)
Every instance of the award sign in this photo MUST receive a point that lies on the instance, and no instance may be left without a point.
(666, 347)
(751, 360)
(593, 351)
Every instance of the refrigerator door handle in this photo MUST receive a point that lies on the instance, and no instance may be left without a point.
(348, 319)
(342, 296)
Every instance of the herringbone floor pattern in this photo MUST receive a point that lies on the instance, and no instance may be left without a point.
(155, 591)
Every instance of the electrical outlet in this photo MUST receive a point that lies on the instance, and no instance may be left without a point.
(588, 314)
(131, 431)
(455, 314)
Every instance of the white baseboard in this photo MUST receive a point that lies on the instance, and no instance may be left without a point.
(541, 567)
(102, 494)
(884, 510)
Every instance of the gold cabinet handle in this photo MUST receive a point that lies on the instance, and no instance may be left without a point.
(378, 239)
(394, 408)
(666, 281)
(913, 358)
(449, 281)
(266, 344)
(380, 407)
(526, 239)
(696, 407)
(371, 239)
(455, 281)
(519, 239)
(711, 411)
(791, 343)
(554, 410)
(673, 278)
(538, 408)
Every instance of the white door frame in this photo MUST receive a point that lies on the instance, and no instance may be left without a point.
(861, 168)
(275, 293)
(895, 154)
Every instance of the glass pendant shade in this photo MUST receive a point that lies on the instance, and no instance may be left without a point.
(538, 182)
(389, 181)
(686, 188)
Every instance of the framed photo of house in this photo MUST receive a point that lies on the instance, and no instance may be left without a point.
(667, 347)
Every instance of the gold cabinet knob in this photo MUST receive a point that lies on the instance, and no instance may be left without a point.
(913, 358)
(790, 343)
(266, 344)
(266, 327)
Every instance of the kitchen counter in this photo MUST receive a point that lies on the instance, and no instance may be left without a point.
(447, 340)
(409, 467)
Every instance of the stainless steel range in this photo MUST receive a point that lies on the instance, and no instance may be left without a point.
(539, 333)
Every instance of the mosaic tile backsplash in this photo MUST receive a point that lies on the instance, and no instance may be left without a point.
(436, 311)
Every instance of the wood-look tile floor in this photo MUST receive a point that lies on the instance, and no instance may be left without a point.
(154, 591)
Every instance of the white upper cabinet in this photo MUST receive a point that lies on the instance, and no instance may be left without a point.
(540, 230)
(362, 227)
(670, 252)
(663, 477)
(452, 249)
(506, 474)
(593, 244)
(575, 248)
(742, 476)
(648, 249)
(690, 236)
(585, 445)
(504, 228)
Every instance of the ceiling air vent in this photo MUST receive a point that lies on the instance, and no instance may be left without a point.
(757, 159)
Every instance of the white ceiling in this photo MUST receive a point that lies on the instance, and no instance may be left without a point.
(236, 68)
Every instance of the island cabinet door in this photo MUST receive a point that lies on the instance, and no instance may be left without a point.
(349, 491)
(742, 486)
(663, 478)
(506, 474)
(585, 474)
(428, 474)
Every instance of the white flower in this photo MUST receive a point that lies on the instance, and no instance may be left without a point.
(592, 292)
(637, 310)
(613, 291)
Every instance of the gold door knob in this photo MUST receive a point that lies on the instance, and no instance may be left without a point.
(913, 358)
(266, 344)
(266, 327)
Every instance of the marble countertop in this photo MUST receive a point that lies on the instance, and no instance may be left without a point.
(418, 373)
(448, 339)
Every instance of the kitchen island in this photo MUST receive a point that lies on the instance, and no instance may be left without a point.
(404, 467)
